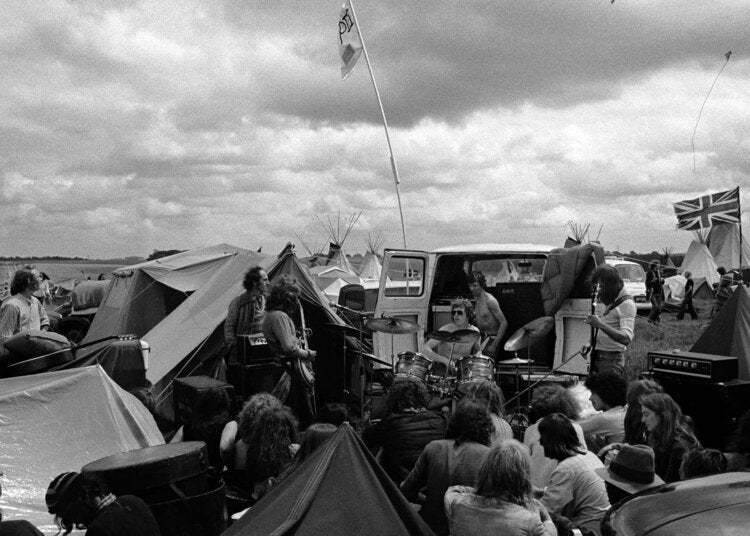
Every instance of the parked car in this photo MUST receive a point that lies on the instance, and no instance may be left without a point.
(716, 504)
(634, 277)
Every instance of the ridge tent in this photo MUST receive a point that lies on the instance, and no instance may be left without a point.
(702, 290)
(340, 489)
(59, 421)
(729, 332)
(700, 263)
(724, 243)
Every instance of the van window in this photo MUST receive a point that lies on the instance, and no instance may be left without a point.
(405, 276)
(631, 272)
(510, 269)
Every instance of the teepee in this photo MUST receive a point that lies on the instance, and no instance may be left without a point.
(699, 261)
(371, 267)
(666, 259)
(724, 244)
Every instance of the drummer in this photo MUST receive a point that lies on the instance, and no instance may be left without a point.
(462, 314)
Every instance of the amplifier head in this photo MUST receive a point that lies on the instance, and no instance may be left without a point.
(694, 365)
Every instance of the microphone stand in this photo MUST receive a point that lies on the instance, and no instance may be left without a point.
(540, 380)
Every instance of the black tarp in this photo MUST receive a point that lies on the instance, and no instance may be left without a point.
(340, 489)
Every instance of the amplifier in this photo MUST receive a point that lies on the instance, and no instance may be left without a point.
(253, 348)
(710, 367)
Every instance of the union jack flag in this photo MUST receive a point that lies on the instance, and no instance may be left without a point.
(712, 209)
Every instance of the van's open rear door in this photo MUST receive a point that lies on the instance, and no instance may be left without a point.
(405, 284)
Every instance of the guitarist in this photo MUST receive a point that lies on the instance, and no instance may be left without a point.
(614, 324)
(281, 334)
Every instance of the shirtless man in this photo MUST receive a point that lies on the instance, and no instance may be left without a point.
(489, 316)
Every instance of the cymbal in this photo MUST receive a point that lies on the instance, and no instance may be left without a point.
(530, 333)
(516, 361)
(460, 335)
(392, 325)
(346, 328)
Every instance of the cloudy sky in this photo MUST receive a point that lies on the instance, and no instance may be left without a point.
(128, 126)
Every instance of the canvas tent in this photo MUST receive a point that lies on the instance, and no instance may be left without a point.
(724, 244)
(59, 421)
(340, 489)
(729, 332)
(699, 262)
(370, 267)
(178, 305)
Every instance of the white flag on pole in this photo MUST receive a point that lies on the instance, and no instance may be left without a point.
(350, 45)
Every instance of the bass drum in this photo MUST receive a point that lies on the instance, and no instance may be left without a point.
(474, 368)
(412, 365)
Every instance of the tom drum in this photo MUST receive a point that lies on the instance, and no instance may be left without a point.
(474, 368)
(412, 365)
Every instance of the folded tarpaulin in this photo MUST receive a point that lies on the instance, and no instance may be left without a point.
(565, 274)
(59, 421)
(87, 295)
(340, 489)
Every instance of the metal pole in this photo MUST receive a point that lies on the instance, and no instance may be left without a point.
(385, 123)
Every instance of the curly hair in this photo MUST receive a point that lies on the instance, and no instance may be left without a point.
(672, 423)
(506, 473)
(463, 303)
(269, 447)
(470, 422)
(478, 278)
(487, 393)
(610, 280)
(210, 412)
(553, 398)
(254, 405)
(635, 430)
(559, 438)
(284, 295)
(406, 394)
(608, 386)
(252, 278)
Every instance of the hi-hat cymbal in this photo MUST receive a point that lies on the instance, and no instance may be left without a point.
(530, 333)
(346, 328)
(516, 361)
(392, 325)
(460, 335)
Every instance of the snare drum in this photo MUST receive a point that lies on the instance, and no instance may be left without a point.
(412, 365)
(474, 368)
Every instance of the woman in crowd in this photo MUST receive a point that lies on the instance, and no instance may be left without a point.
(635, 430)
(271, 448)
(548, 399)
(575, 494)
(502, 502)
(235, 436)
(488, 394)
(668, 434)
(407, 429)
(449, 462)
(206, 422)
(608, 399)
(80, 500)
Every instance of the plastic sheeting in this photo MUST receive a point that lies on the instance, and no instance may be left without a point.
(60, 421)
(565, 274)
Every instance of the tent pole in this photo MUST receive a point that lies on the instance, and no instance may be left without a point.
(739, 209)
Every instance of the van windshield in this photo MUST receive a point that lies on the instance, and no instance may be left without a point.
(631, 272)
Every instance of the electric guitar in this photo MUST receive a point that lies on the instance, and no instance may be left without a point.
(303, 367)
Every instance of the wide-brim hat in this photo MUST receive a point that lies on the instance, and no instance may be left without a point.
(632, 470)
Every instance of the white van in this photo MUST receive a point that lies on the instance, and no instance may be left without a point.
(634, 277)
(430, 281)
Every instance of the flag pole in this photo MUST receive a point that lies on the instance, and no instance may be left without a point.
(739, 209)
(385, 122)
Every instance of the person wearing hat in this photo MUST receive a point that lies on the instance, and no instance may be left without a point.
(82, 500)
(630, 472)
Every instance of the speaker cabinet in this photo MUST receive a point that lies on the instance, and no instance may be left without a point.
(714, 406)
(255, 378)
(187, 390)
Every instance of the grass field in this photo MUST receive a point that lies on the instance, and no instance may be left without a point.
(667, 335)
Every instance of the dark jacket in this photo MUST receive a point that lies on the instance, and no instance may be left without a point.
(667, 462)
(403, 436)
(127, 516)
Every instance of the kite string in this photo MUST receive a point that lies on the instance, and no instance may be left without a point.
(700, 112)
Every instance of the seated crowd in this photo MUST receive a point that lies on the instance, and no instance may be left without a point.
(465, 472)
